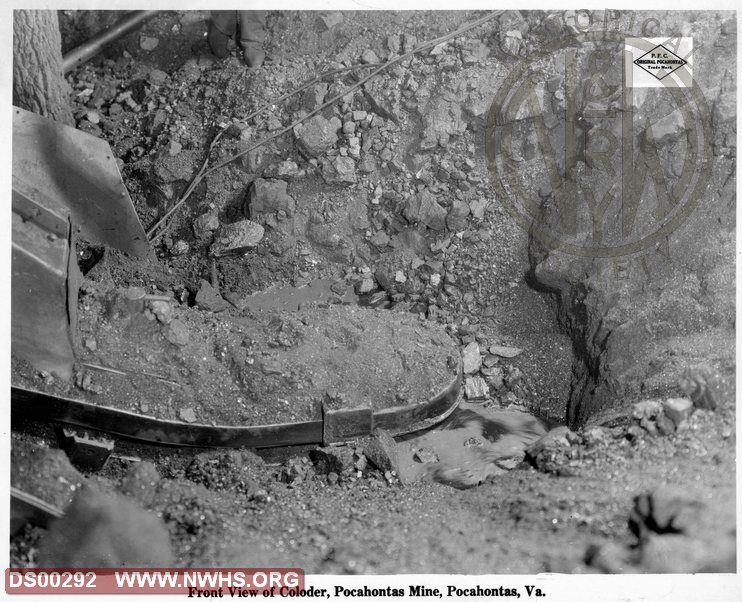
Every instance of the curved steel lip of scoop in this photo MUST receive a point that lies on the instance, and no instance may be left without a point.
(397, 420)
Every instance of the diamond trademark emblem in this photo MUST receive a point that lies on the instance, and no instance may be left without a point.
(660, 62)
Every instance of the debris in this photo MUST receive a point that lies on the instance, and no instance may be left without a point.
(237, 238)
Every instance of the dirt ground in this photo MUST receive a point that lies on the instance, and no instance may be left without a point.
(350, 205)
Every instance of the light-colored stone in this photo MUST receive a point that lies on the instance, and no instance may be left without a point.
(471, 358)
(678, 409)
(237, 237)
(475, 387)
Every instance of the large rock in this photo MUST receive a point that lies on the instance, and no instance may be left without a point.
(237, 237)
(457, 214)
(269, 196)
(317, 135)
(102, 530)
(424, 208)
(381, 451)
(471, 358)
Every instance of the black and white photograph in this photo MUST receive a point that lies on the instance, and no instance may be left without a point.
(350, 301)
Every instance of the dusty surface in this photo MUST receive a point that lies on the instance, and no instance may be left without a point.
(389, 193)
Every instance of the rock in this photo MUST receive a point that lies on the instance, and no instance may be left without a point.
(551, 451)
(595, 436)
(475, 387)
(664, 425)
(269, 196)
(205, 225)
(148, 43)
(471, 358)
(725, 108)
(475, 52)
(332, 19)
(495, 377)
(329, 460)
(102, 530)
(381, 451)
(477, 207)
(317, 135)
(394, 43)
(505, 351)
(443, 119)
(424, 208)
(161, 310)
(158, 77)
(140, 482)
(174, 148)
(93, 117)
(172, 168)
(313, 98)
(341, 170)
(678, 409)
(237, 237)
(181, 247)
(380, 239)
(364, 286)
(187, 415)
(177, 333)
(649, 409)
(209, 299)
(425, 455)
(359, 115)
(286, 169)
(295, 470)
(383, 102)
(369, 57)
(457, 214)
